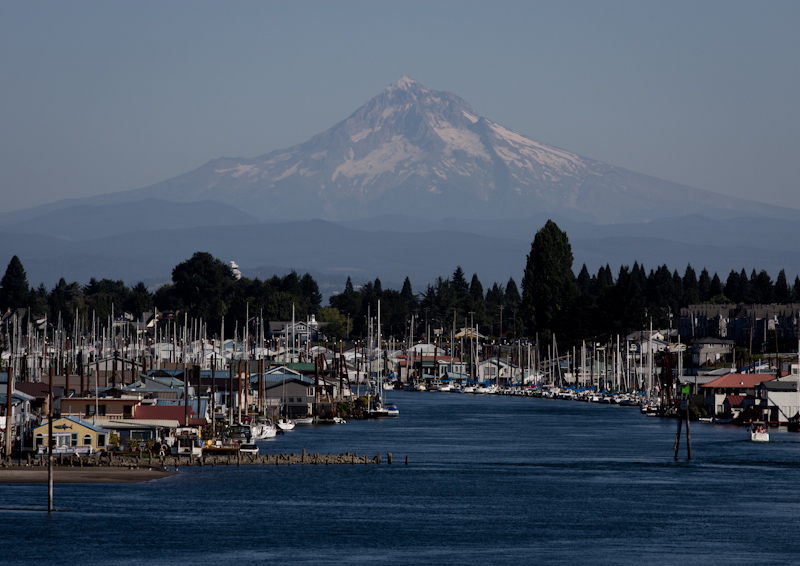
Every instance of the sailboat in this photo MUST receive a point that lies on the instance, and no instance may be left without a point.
(285, 423)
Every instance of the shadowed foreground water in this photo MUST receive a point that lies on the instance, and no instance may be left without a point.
(490, 480)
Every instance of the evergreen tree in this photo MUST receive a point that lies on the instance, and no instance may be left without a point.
(744, 285)
(715, 289)
(38, 301)
(14, 288)
(782, 293)
(139, 300)
(677, 289)
(291, 284)
(495, 307)
(512, 294)
(512, 300)
(691, 288)
(733, 288)
(621, 305)
(65, 299)
(604, 279)
(796, 289)
(704, 286)
(584, 280)
(409, 299)
(476, 301)
(548, 286)
(377, 287)
(459, 283)
(639, 275)
(761, 288)
(311, 292)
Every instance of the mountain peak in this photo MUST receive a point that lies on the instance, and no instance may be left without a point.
(406, 83)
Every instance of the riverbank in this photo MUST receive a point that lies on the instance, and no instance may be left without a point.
(94, 474)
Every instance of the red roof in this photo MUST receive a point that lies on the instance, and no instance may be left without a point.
(735, 400)
(739, 380)
(166, 413)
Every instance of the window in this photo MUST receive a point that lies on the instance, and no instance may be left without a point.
(101, 440)
(127, 411)
(101, 410)
(90, 410)
(74, 439)
(39, 440)
(87, 440)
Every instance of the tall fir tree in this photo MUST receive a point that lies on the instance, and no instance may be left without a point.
(14, 288)
(548, 286)
(782, 293)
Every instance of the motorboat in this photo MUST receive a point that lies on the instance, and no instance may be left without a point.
(240, 432)
(264, 428)
(758, 431)
(249, 448)
(392, 410)
(285, 424)
(187, 442)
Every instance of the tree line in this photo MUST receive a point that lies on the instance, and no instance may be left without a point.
(552, 301)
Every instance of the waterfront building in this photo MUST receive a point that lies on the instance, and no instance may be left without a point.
(716, 392)
(70, 435)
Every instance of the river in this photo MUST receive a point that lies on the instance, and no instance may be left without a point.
(489, 480)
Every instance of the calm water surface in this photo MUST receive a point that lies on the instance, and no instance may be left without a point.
(490, 480)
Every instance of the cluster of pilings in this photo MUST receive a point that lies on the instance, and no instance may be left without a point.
(239, 459)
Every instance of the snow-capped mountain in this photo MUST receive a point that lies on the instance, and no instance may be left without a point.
(426, 153)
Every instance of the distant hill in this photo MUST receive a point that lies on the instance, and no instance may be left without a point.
(331, 252)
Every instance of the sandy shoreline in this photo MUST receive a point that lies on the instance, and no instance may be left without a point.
(98, 474)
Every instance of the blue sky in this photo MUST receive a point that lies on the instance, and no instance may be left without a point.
(98, 97)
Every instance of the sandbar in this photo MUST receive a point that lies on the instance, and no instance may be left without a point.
(86, 474)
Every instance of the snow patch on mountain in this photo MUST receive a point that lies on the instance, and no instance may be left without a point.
(239, 170)
(559, 161)
(382, 160)
(458, 139)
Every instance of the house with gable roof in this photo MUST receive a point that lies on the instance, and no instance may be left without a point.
(71, 435)
(721, 393)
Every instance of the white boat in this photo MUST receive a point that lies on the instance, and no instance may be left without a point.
(242, 433)
(392, 410)
(264, 428)
(339, 420)
(187, 442)
(251, 449)
(285, 424)
(304, 421)
(758, 431)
